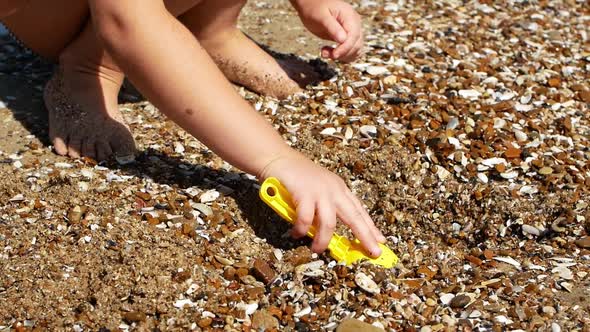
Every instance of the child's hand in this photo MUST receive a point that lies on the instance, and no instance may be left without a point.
(333, 20)
(320, 196)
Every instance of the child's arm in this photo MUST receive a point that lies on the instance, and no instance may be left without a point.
(333, 20)
(169, 67)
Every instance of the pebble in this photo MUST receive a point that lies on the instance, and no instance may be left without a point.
(459, 301)
(262, 321)
(75, 214)
(355, 325)
(366, 283)
(263, 272)
(134, 316)
(205, 322)
(546, 170)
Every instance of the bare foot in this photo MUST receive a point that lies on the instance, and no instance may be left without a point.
(84, 118)
(244, 63)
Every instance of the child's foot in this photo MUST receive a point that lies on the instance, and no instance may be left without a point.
(243, 62)
(84, 118)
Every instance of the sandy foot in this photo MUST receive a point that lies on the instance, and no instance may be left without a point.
(84, 119)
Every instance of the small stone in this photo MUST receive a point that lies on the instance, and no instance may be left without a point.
(262, 321)
(583, 242)
(205, 322)
(366, 283)
(355, 325)
(298, 256)
(549, 311)
(143, 195)
(546, 170)
(554, 82)
(263, 272)
(460, 301)
(390, 80)
(229, 273)
(512, 152)
(248, 280)
(134, 316)
(75, 214)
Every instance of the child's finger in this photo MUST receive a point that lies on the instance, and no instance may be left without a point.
(326, 225)
(353, 218)
(305, 215)
(335, 29)
(368, 220)
(327, 51)
(353, 52)
(351, 24)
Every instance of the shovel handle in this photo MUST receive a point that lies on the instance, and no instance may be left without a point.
(274, 194)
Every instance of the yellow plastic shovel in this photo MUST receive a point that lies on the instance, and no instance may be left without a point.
(275, 195)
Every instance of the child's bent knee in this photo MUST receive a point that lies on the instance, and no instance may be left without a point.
(9, 7)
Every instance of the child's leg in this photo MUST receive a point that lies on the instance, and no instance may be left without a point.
(46, 27)
(214, 22)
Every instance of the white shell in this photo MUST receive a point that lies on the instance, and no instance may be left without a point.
(508, 260)
(366, 283)
(469, 94)
(376, 70)
(209, 196)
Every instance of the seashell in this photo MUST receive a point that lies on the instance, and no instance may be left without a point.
(209, 196)
(303, 312)
(328, 131)
(367, 284)
(368, 131)
(469, 94)
(508, 260)
(376, 70)
(184, 302)
(532, 230)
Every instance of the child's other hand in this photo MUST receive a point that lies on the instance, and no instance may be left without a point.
(333, 20)
(320, 196)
